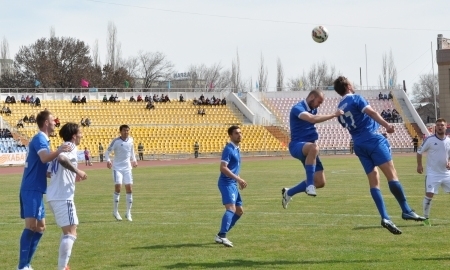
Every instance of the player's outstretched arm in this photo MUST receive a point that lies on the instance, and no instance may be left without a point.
(313, 119)
(49, 156)
(377, 117)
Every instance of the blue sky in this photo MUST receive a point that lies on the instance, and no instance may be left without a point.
(200, 31)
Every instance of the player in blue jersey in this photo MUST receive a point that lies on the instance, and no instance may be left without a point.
(372, 149)
(303, 118)
(229, 180)
(34, 185)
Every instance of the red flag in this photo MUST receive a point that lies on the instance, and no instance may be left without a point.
(84, 83)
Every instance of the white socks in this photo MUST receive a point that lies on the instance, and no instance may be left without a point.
(65, 249)
(129, 202)
(116, 198)
(426, 206)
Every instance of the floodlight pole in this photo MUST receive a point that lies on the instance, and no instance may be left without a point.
(432, 81)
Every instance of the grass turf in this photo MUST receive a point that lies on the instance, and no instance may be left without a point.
(177, 211)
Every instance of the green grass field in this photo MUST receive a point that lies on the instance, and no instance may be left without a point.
(177, 212)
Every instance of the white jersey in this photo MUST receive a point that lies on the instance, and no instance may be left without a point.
(123, 153)
(438, 154)
(62, 183)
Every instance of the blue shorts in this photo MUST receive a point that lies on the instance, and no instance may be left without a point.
(230, 194)
(296, 150)
(373, 152)
(32, 204)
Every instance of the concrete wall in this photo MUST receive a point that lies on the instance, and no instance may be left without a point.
(443, 61)
(262, 115)
(232, 97)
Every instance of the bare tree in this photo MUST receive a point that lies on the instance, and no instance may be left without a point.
(118, 58)
(236, 83)
(262, 76)
(388, 77)
(4, 49)
(153, 67)
(211, 78)
(280, 75)
(52, 32)
(132, 66)
(111, 44)
(95, 55)
(320, 75)
(423, 91)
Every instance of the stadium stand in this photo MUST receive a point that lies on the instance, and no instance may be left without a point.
(331, 133)
(170, 128)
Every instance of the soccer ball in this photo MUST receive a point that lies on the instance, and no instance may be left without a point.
(319, 34)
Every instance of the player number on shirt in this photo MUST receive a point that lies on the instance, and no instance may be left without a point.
(345, 123)
(54, 165)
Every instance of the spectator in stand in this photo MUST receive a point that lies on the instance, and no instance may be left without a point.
(112, 99)
(32, 100)
(23, 99)
(195, 101)
(139, 98)
(20, 123)
(150, 105)
(181, 98)
(380, 96)
(116, 98)
(82, 122)
(8, 111)
(385, 97)
(57, 122)
(167, 99)
(224, 101)
(3, 109)
(132, 99)
(8, 99)
(390, 96)
(83, 99)
(203, 112)
(32, 119)
(13, 100)
(79, 99)
(25, 119)
(27, 99)
(75, 99)
(37, 102)
(388, 115)
(202, 98)
(87, 122)
(105, 98)
(146, 99)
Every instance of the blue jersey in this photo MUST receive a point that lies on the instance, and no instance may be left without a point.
(360, 125)
(301, 130)
(232, 157)
(35, 172)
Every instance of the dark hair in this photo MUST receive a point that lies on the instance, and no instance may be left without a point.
(231, 129)
(123, 127)
(68, 130)
(340, 85)
(42, 117)
(315, 93)
(441, 120)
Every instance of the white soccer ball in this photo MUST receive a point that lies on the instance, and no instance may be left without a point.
(319, 34)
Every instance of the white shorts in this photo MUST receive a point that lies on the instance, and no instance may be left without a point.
(432, 183)
(122, 177)
(65, 212)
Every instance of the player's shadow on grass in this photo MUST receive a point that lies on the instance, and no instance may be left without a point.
(369, 227)
(432, 259)
(186, 245)
(256, 264)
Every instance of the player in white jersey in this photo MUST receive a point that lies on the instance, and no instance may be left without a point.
(64, 172)
(124, 160)
(438, 165)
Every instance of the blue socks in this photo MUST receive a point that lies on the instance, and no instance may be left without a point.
(297, 189)
(25, 247)
(310, 170)
(397, 190)
(379, 202)
(227, 219)
(234, 220)
(34, 243)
